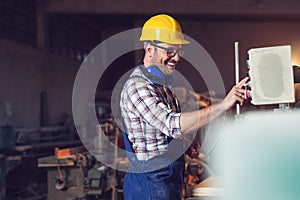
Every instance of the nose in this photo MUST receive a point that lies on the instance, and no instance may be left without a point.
(176, 57)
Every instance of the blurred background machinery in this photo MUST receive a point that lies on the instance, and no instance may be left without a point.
(74, 174)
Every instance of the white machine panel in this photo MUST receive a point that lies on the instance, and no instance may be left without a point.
(271, 75)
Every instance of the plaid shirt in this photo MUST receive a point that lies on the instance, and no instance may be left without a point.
(149, 115)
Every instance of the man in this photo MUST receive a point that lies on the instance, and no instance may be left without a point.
(153, 121)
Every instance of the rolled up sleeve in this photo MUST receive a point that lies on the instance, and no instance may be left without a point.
(145, 100)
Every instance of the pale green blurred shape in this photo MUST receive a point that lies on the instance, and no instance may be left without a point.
(259, 157)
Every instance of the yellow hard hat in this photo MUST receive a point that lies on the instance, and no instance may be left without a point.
(163, 28)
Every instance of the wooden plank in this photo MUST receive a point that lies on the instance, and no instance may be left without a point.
(46, 145)
(56, 165)
(212, 186)
(52, 161)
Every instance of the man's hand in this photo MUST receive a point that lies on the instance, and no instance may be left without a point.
(236, 94)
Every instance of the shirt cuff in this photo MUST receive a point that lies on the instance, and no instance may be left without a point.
(175, 126)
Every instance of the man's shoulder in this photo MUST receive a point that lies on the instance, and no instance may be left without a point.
(137, 77)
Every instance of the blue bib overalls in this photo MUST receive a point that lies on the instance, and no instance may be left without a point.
(155, 179)
(161, 177)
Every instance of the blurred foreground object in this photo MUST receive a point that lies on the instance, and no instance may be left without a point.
(259, 157)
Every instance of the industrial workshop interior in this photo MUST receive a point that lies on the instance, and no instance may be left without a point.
(63, 66)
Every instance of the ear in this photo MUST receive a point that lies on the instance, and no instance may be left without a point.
(149, 49)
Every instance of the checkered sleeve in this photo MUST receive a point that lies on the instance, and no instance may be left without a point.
(147, 103)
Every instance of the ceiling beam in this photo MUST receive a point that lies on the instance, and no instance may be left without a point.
(186, 7)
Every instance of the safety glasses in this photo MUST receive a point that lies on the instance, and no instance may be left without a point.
(171, 52)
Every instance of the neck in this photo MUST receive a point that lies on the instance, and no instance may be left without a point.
(156, 75)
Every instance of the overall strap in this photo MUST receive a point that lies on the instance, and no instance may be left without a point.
(128, 145)
(168, 98)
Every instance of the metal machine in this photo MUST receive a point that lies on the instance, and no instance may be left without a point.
(74, 174)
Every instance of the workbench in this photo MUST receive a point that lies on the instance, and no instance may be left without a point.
(209, 189)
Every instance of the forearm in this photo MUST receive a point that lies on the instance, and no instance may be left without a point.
(192, 121)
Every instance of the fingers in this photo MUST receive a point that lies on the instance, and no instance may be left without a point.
(240, 92)
(240, 99)
(236, 94)
(239, 95)
(242, 82)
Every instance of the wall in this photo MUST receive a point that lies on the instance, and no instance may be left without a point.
(25, 73)
(218, 37)
(59, 78)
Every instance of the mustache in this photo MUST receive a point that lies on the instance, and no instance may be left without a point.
(170, 60)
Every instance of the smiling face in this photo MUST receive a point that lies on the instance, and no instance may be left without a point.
(164, 56)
